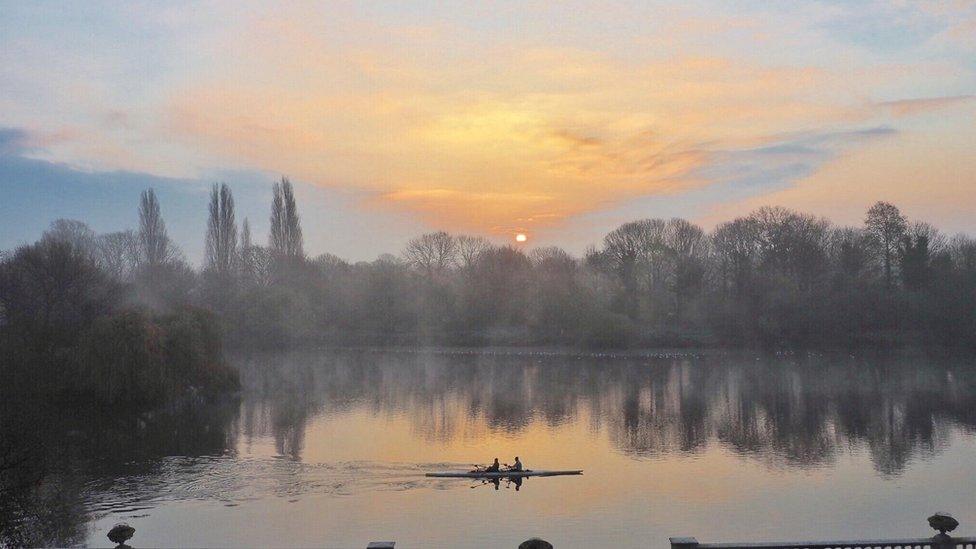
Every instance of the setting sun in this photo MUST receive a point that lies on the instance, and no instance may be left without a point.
(521, 237)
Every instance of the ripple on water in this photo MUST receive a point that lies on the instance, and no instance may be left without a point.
(233, 480)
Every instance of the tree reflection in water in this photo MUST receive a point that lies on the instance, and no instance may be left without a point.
(57, 467)
(74, 455)
(788, 412)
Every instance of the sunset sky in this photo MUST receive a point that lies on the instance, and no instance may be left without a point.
(557, 120)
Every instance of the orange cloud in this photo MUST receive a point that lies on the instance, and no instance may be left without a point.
(487, 137)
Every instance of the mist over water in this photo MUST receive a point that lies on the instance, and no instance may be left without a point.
(330, 448)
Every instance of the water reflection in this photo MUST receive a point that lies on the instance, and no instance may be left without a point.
(785, 412)
(509, 483)
(75, 465)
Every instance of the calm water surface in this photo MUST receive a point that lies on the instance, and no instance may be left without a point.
(329, 449)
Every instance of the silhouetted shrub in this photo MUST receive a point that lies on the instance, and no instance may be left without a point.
(134, 359)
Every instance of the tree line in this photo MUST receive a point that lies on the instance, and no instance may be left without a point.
(107, 319)
(775, 278)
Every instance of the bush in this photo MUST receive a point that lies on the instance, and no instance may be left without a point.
(133, 359)
(192, 348)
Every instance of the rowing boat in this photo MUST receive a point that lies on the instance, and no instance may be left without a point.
(502, 474)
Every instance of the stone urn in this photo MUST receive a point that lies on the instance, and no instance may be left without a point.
(121, 533)
(943, 522)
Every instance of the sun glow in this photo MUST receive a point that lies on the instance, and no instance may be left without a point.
(521, 237)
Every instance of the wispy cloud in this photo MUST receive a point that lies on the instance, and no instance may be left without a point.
(782, 160)
(583, 128)
(907, 107)
(928, 172)
(465, 120)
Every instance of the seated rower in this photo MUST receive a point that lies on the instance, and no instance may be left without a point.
(493, 468)
(517, 466)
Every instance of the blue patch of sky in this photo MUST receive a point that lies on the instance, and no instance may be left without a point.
(36, 192)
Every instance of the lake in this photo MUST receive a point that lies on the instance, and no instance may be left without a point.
(329, 449)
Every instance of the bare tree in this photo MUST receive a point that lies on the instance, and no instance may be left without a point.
(962, 249)
(255, 262)
(920, 244)
(622, 249)
(286, 230)
(293, 222)
(631, 242)
(735, 246)
(685, 239)
(118, 253)
(887, 226)
(74, 233)
(469, 248)
(155, 246)
(687, 248)
(262, 265)
(850, 250)
(278, 237)
(221, 242)
(555, 266)
(937, 241)
(54, 289)
(552, 256)
(790, 243)
(627, 252)
(330, 263)
(432, 253)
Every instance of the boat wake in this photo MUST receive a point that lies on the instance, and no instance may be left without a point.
(233, 480)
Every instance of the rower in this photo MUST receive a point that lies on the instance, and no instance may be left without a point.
(493, 468)
(517, 466)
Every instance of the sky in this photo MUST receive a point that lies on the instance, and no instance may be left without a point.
(559, 120)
